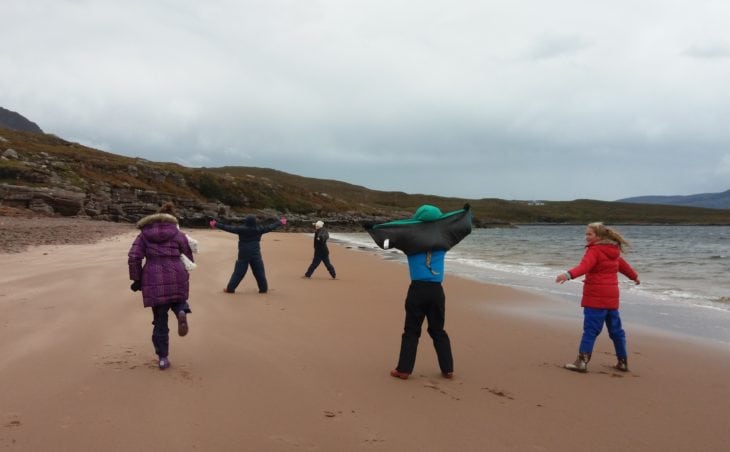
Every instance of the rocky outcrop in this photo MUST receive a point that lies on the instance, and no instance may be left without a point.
(116, 204)
(47, 175)
(54, 184)
(129, 205)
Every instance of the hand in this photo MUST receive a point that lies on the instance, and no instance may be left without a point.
(136, 285)
(637, 281)
(283, 221)
(561, 278)
(212, 223)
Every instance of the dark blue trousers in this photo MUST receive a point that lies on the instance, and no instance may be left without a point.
(593, 320)
(239, 271)
(160, 330)
(425, 300)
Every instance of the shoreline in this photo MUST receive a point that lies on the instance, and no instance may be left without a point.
(641, 309)
(306, 365)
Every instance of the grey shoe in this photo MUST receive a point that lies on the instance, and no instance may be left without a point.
(164, 363)
(580, 364)
(622, 365)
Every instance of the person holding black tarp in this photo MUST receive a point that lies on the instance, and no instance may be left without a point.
(424, 239)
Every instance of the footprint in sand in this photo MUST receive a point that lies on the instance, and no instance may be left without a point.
(435, 386)
(373, 440)
(293, 442)
(12, 422)
(500, 393)
(120, 360)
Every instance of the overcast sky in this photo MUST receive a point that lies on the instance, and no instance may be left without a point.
(522, 99)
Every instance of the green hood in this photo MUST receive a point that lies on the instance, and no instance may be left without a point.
(425, 213)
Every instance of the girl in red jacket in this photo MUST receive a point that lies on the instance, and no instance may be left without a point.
(601, 264)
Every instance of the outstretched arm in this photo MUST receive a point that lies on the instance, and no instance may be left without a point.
(272, 226)
(224, 227)
(586, 264)
(625, 269)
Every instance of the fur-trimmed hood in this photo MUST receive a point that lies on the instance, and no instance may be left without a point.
(156, 218)
(159, 227)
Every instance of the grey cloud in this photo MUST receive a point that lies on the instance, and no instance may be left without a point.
(708, 51)
(554, 46)
(472, 99)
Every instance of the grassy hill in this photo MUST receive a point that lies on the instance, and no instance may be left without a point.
(46, 161)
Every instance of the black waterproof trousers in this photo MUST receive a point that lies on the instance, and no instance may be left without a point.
(425, 300)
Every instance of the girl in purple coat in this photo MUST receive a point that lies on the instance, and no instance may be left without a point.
(163, 279)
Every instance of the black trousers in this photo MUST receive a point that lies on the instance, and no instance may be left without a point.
(321, 258)
(425, 300)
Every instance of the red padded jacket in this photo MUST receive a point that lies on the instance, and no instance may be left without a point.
(601, 264)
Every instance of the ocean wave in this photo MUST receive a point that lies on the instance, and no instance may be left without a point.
(524, 268)
(689, 276)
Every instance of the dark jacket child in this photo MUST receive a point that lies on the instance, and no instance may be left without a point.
(424, 239)
(249, 251)
(601, 264)
(321, 252)
(162, 278)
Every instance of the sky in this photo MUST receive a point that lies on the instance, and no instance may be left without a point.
(523, 99)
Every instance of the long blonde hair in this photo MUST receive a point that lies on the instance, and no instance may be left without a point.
(603, 232)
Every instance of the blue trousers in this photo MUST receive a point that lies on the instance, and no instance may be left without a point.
(160, 331)
(239, 271)
(593, 320)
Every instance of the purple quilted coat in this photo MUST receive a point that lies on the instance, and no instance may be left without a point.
(160, 244)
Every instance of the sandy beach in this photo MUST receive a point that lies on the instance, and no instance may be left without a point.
(305, 367)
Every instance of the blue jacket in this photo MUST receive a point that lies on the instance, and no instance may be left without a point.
(428, 266)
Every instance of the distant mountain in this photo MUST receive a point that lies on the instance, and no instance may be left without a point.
(16, 121)
(707, 200)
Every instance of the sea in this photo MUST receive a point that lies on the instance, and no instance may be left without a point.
(684, 271)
